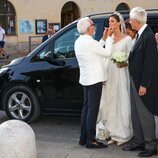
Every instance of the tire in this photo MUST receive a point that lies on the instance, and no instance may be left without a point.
(21, 103)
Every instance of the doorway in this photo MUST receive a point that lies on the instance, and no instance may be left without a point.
(123, 7)
(69, 13)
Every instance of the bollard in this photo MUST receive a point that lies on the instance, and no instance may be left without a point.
(17, 140)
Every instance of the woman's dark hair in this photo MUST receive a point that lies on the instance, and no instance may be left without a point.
(116, 17)
(129, 26)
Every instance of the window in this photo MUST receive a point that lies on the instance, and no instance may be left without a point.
(64, 45)
(7, 17)
(153, 22)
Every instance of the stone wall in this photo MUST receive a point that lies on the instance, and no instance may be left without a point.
(21, 48)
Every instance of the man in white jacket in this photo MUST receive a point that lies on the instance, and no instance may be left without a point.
(91, 59)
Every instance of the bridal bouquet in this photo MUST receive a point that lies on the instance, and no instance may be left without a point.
(120, 58)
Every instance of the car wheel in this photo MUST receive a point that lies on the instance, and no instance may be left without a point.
(21, 103)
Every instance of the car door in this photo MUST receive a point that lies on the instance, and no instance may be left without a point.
(61, 74)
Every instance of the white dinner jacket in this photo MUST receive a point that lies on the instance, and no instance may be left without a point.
(91, 59)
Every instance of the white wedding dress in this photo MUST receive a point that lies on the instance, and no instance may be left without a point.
(114, 118)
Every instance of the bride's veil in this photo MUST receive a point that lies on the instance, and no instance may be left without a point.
(123, 27)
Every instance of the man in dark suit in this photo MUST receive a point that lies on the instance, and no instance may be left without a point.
(50, 33)
(143, 68)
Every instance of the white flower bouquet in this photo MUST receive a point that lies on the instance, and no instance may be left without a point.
(120, 58)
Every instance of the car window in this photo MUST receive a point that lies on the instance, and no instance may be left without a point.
(100, 24)
(153, 23)
(64, 45)
(41, 54)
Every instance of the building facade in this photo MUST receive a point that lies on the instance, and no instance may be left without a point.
(22, 19)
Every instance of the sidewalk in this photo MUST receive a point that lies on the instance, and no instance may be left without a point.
(57, 137)
(12, 56)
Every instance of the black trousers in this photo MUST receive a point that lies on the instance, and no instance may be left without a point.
(2, 44)
(92, 96)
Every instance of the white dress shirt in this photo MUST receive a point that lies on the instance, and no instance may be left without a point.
(2, 32)
(91, 59)
(141, 30)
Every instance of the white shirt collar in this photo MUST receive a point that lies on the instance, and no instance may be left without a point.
(142, 29)
(85, 35)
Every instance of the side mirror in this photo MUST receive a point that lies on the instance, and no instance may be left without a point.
(48, 56)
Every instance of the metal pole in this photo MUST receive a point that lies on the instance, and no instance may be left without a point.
(29, 44)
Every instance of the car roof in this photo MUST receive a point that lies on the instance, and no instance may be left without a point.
(125, 13)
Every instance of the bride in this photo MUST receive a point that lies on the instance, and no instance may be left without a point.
(114, 119)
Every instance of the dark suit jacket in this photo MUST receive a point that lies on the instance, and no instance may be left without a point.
(45, 37)
(143, 68)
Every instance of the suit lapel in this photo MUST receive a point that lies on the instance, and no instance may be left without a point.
(136, 45)
(139, 41)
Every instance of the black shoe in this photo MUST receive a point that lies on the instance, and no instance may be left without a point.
(147, 153)
(82, 143)
(95, 144)
(134, 147)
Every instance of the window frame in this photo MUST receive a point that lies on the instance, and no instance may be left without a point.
(8, 17)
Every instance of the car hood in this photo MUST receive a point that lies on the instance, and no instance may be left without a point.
(14, 62)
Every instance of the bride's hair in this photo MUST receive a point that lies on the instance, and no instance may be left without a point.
(120, 19)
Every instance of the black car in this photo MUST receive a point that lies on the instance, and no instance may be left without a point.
(46, 80)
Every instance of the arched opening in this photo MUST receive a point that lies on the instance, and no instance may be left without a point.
(7, 17)
(69, 13)
(123, 7)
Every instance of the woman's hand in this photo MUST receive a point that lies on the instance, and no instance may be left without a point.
(120, 65)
